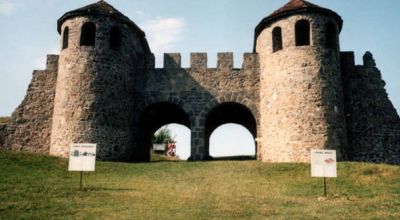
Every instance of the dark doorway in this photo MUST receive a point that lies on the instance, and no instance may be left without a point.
(154, 117)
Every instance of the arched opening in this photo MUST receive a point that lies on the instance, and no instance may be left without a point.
(227, 114)
(331, 36)
(152, 119)
(180, 136)
(232, 141)
(276, 39)
(65, 38)
(88, 34)
(115, 38)
(302, 30)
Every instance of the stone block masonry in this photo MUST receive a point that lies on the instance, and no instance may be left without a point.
(373, 124)
(94, 93)
(3, 127)
(199, 89)
(296, 91)
(300, 92)
(30, 126)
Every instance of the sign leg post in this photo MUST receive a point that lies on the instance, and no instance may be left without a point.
(81, 181)
(82, 157)
(323, 164)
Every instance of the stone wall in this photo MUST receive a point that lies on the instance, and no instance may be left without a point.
(94, 94)
(291, 100)
(372, 122)
(301, 102)
(3, 127)
(198, 89)
(30, 125)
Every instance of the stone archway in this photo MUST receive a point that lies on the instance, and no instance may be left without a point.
(229, 112)
(152, 118)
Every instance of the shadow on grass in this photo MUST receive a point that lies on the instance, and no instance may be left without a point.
(104, 189)
(208, 159)
(236, 158)
(166, 161)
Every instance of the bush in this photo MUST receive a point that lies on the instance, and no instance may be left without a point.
(5, 120)
(162, 136)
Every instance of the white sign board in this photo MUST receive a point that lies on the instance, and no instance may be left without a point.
(159, 147)
(82, 157)
(323, 163)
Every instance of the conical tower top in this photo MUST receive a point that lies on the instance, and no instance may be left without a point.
(296, 7)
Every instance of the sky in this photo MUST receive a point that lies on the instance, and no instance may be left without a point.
(29, 32)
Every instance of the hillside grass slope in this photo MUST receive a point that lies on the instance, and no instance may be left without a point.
(40, 187)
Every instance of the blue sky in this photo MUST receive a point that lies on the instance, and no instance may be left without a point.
(28, 33)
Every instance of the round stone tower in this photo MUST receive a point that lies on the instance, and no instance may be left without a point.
(301, 93)
(101, 52)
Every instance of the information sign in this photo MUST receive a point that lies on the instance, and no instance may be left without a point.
(323, 163)
(82, 157)
(159, 147)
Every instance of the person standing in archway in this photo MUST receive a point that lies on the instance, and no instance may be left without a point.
(171, 148)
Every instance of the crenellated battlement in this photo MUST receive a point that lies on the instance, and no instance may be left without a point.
(347, 62)
(296, 91)
(52, 62)
(172, 60)
(199, 61)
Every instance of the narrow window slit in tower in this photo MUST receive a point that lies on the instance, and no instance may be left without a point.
(115, 38)
(88, 34)
(302, 30)
(65, 38)
(277, 39)
(331, 36)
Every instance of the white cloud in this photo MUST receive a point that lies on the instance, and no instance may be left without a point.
(6, 7)
(163, 33)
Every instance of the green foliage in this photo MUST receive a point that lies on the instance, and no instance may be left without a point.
(5, 120)
(40, 187)
(162, 136)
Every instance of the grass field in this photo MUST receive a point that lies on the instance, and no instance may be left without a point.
(40, 187)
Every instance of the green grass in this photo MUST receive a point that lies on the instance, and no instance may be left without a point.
(40, 187)
(156, 157)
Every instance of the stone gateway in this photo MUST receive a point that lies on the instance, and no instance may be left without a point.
(296, 91)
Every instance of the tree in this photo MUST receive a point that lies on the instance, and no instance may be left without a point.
(162, 136)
